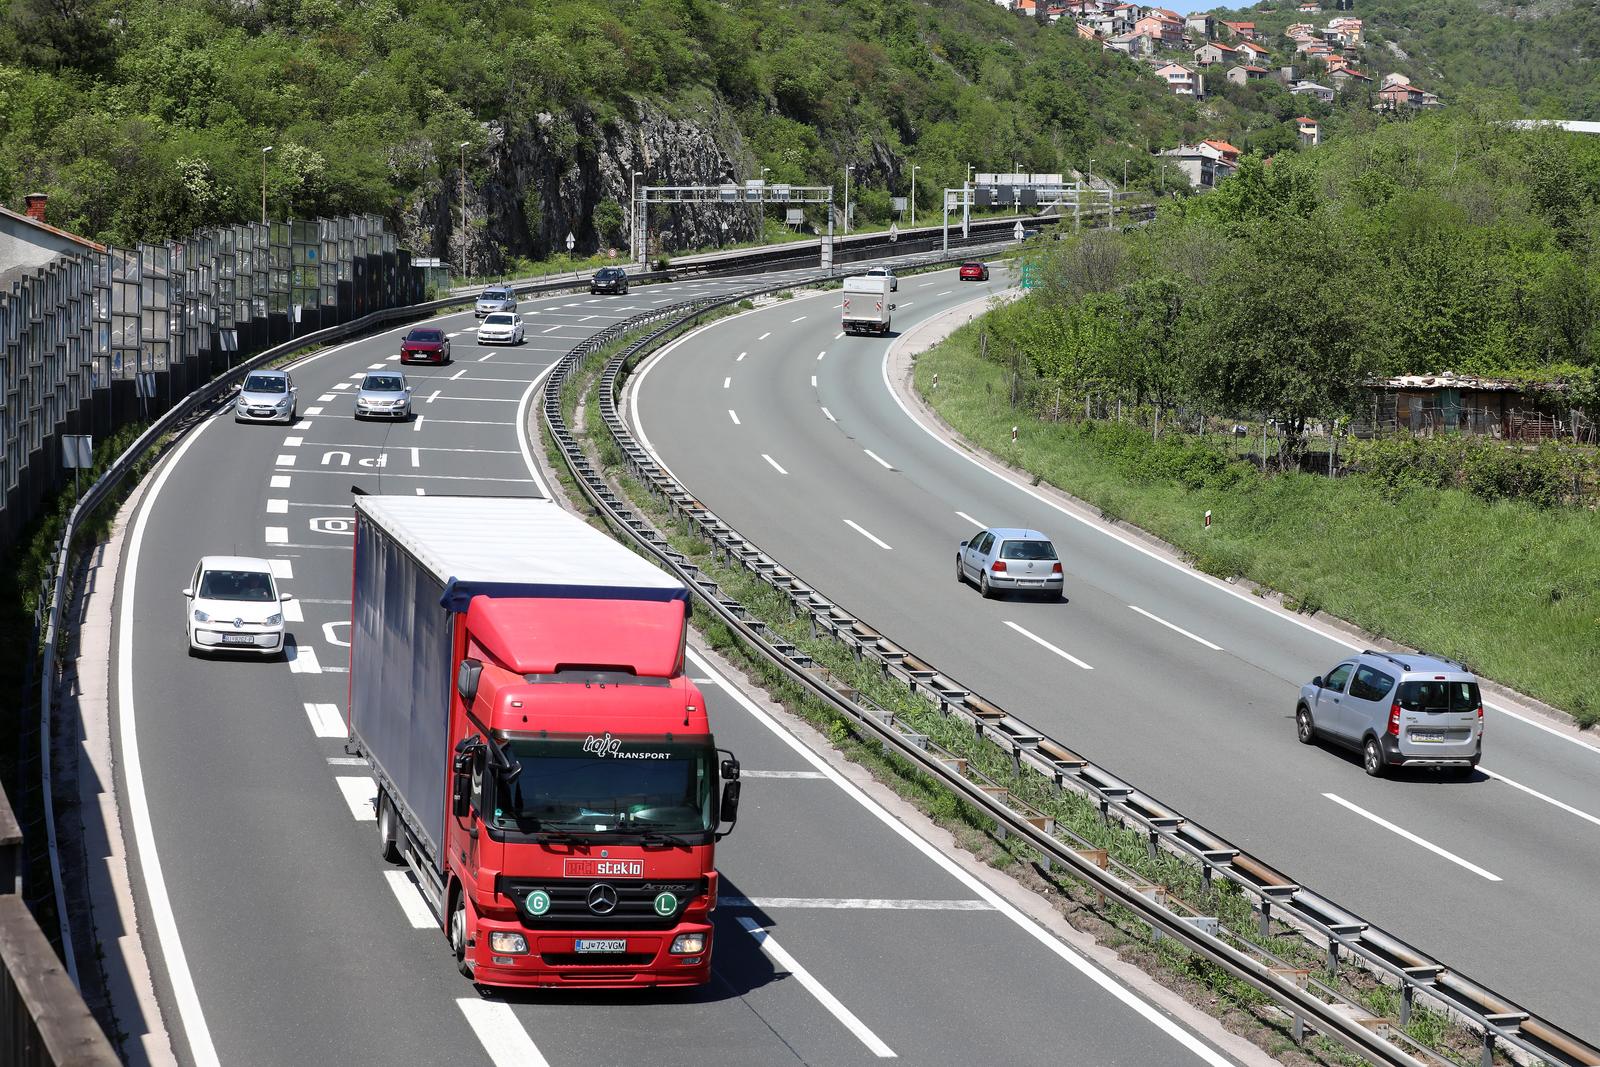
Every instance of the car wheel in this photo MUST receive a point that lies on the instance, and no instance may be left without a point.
(458, 933)
(983, 586)
(388, 836)
(1304, 728)
(1372, 758)
(961, 574)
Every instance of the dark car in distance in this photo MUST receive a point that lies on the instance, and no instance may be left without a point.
(425, 344)
(609, 280)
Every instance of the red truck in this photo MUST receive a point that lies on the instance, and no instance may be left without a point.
(543, 764)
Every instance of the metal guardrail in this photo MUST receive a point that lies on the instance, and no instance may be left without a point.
(1299, 911)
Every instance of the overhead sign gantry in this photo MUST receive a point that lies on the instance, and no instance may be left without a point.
(754, 192)
(1031, 191)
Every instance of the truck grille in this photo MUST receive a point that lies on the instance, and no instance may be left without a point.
(635, 906)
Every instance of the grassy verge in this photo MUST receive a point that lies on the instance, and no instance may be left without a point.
(1510, 588)
(1241, 1008)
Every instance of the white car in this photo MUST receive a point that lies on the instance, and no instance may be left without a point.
(233, 604)
(502, 328)
(885, 272)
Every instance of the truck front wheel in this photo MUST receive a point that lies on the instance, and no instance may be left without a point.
(458, 933)
(388, 834)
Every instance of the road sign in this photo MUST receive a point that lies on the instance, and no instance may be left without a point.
(77, 450)
(894, 231)
(1030, 275)
(571, 241)
(1016, 232)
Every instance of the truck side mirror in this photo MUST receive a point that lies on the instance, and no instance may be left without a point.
(461, 795)
(729, 810)
(730, 769)
(467, 676)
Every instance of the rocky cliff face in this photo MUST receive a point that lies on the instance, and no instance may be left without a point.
(539, 180)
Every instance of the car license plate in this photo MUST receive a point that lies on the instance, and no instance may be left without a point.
(595, 945)
(238, 639)
(1427, 738)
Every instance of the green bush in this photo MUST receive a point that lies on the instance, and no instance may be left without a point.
(1542, 477)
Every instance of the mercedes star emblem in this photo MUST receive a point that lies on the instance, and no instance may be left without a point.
(602, 899)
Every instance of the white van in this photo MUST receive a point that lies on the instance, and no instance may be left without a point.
(866, 305)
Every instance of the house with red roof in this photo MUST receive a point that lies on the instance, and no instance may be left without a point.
(1244, 31)
(1243, 75)
(1214, 52)
(1309, 130)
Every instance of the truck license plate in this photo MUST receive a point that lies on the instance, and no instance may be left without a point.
(593, 945)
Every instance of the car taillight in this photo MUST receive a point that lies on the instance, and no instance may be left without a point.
(1480, 718)
(1394, 719)
(1056, 569)
(999, 566)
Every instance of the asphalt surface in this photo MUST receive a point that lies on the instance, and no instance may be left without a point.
(1181, 684)
(280, 937)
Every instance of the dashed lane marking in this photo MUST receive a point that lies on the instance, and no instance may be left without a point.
(1176, 629)
(293, 441)
(326, 720)
(410, 899)
(314, 411)
(361, 793)
(284, 459)
(972, 520)
(304, 660)
(1413, 838)
(502, 1035)
(764, 336)
(292, 612)
(734, 415)
(740, 357)
(277, 507)
(344, 385)
(850, 903)
(276, 535)
(282, 569)
(280, 481)
(774, 463)
(858, 528)
(1036, 639)
(835, 1007)
(885, 464)
(828, 413)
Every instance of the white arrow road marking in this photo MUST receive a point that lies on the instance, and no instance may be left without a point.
(327, 632)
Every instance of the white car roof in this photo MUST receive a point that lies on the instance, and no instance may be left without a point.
(234, 563)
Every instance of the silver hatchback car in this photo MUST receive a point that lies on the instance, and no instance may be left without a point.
(1004, 558)
(1396, 709)
(491, 300)
(384, 394)
(265, 396)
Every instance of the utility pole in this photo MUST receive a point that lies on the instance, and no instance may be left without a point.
(914, 169)
(848, 167)
(463, 147)
(633, 212)
(264, 152)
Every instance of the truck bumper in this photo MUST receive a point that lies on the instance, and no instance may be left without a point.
(552, 958)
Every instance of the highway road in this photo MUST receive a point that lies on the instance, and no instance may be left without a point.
(279, 936)
(1178, 682)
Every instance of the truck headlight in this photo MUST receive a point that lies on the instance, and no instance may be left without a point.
(688, 944)
(506, 943)
(200, 616)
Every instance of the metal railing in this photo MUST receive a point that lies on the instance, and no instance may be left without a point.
(1282, 906)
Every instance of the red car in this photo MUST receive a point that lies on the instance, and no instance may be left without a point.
(974, 272)
(425, 344)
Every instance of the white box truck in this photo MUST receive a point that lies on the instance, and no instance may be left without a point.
(866, 305)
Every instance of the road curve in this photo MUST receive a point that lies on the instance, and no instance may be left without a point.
(280, 937)
(1180, 683)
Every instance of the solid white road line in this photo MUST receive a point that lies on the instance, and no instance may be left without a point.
(523, 441)
(1036, 639)
(1048, 940)
(1176, 629)
(853, 903)
(276, 535)
(862, 531)
(878, 459)
(774, 463)
(361, 793)
(774, 774)
(1568, 808)
(503, 1036)
(326, 720)
(277, 506)
(282, 569)
(782, 958)
(410, 900)
(734, 415)
(972, 520)
(280, 481)
(190, 1014)
(305, 660)
(1413, 838)
(828, 413)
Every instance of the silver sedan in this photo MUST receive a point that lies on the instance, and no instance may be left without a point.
(1005, 558)
(384, 394)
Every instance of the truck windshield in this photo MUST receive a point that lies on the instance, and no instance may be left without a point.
(601, 784)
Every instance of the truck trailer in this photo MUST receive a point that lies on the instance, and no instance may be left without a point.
(544, 766)
(866, 306)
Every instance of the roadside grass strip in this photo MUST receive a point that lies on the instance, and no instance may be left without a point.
(1077, 818)
(1524, 588)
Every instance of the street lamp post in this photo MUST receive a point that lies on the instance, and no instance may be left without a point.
(463, 147)
(264, 152)
(848, 167)
(914, 169)
(633, 211)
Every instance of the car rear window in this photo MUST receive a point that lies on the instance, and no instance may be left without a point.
(425, 335)
(1440, 696)
(266, 383)
(1027, 550)
(1371, 684)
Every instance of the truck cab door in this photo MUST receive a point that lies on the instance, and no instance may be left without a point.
(464, 832)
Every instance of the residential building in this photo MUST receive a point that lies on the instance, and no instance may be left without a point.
(1200, 25)
(1310, 8)
(1349, 78)
(1087, 32)
(1165, 32)
(1312, 89)
(1401, 95)
(1179, 78)
(1133, 44)
(1253, 53)
(1202, 164)
(27, 242)
(1309, 130)
(1215, 52)
(1347, 27)
(1243, 75)
(1243, 31)
(1225, 151)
